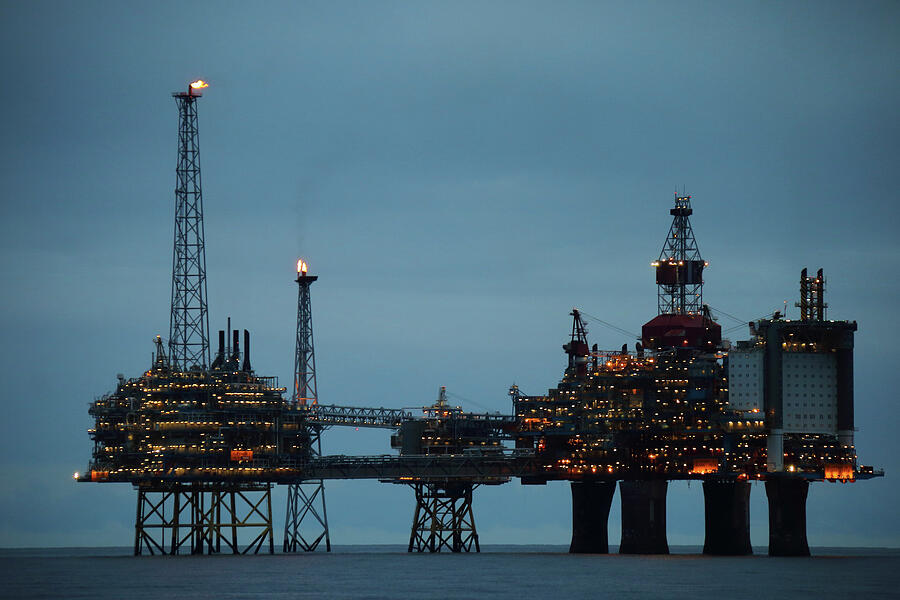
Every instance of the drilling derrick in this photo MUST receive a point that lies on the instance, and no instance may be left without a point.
(577, 348)
(189, 323)
(303, 499)
(812, 297)
(679, 269)
(683, 320)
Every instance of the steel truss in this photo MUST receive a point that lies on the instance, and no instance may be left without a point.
(189, 322)
(203, 518)
(685, 294)
(356, 416)
(301, 505)
(306, 525)
(443, 520)
(303, 500)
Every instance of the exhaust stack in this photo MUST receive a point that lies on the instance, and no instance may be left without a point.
(246, 366)
(220, 354)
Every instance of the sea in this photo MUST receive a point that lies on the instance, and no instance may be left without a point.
(519, 572)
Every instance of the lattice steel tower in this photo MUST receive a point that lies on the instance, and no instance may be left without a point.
(305, 499)
(679, 269)
(305, 354)
(188, 323)
(443, 519)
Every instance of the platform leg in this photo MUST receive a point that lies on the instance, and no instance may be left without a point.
(644, 517)
(787, 517)
(590, 516)
(727, 516)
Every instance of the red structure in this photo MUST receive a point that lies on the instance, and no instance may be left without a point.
(681, 331)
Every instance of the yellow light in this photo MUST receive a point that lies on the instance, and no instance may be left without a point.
(75, 476)
(199, 84)
(301, 266)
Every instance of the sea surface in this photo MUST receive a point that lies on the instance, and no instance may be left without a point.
(497, 572)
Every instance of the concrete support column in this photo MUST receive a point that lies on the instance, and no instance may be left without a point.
(845, 400)
(644, 517)
(727, 511)
(590, 515)
(787, 516)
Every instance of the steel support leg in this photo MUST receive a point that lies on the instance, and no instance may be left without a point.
(196, 517)
(443, 519)
(306, 521)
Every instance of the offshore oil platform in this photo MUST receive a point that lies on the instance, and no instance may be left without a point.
(203, 438)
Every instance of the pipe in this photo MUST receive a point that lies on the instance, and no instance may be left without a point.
(804, 295)
(820, 295)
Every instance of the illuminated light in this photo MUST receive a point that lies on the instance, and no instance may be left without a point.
(301, 266)
(99, 475)
(844, 472)
(75, 476)
(703, 466)
(199, 84)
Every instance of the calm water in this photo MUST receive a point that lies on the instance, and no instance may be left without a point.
(498, 572)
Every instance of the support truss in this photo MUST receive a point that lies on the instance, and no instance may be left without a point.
(306, 521)
(200, 518)
(443, 520)
(301, 507)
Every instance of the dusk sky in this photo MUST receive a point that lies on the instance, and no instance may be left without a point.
(459, 175)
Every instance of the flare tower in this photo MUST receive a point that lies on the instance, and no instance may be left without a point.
(189, 322)
(306, 521)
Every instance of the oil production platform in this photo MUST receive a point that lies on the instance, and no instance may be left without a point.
(203, 438)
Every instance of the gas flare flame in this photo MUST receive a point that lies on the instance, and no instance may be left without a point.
(199, 84)
(301, 266)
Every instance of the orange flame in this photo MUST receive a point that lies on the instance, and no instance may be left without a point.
(301, 266)
(199, 84)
